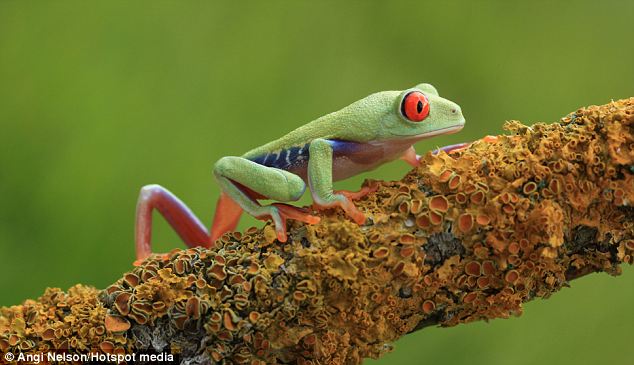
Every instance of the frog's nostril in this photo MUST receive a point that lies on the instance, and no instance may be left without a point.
(454, 111)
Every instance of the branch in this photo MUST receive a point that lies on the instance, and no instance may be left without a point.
(465, 237)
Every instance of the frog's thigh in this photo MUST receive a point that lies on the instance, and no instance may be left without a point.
(273, 183)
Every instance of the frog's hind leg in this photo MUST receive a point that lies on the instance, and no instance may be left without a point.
(226, 218)
(245, 181)
(175, 212)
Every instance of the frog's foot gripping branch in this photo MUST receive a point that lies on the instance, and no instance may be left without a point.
(282, 212)
(465, 237)
(344, 199)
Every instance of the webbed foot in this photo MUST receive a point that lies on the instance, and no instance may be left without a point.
(356, 195)
(344, 201)
(280, 212)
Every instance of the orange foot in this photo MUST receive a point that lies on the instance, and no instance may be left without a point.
(345, 201)
(284, 212)
(347, 205)
(356, 195)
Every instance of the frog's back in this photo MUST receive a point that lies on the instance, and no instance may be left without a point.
(347, 129)
(290, 152)
(347, 124)
(297, 138)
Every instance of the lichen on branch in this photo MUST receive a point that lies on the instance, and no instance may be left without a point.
(465, 237)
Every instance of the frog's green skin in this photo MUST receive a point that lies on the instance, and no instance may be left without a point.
(357, 138)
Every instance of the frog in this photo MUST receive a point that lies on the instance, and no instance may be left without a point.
(377, 129)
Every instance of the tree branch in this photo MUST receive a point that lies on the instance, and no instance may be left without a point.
(465, 237)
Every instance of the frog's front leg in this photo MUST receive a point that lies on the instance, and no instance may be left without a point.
(245, 181)
(320, 166)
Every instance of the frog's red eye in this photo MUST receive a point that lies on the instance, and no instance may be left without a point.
(415, 106)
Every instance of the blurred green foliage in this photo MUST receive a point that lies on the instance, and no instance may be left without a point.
(98, 99)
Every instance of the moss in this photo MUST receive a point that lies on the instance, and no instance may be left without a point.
(465, 237)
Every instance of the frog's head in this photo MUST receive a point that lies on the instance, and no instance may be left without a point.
(420, 113)
(411, 115)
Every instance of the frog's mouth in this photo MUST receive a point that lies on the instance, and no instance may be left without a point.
(447, 130)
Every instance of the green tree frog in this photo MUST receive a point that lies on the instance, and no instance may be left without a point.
(360, 137)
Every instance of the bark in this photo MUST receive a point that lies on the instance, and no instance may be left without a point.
(465, 237)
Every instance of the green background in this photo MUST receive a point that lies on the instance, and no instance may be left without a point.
(98, 99)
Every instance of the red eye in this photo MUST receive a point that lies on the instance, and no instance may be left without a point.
(415, 106)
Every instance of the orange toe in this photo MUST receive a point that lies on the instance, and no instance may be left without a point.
(285, 212)
(298, 214)
(357, 216)
(348, 206)
(281, 235)
(353, 212)
(356, 195)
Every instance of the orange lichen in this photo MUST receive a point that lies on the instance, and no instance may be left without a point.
(529, 188)
(469, 297)
(428, 306)
(483, 282)
(511, 276)
(473, 268)
(483, 219)
(488, 267)
(407, 239)
(116, 324)
(254, 316)
(445, 176)
(465, 222)
(439, 204)
(454, 182)
(381, 252)
(407, 251)
(435, 218)
(217, 272)
(404, 207)
(461, 198)
(416, 206)
(131, 279)
(514, 248)
(478, 197)
(122, 303)
(423, 221)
